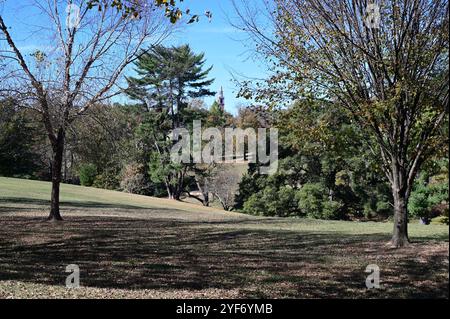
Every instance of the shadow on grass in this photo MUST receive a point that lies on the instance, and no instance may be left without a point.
(75, 204)
(161, 254)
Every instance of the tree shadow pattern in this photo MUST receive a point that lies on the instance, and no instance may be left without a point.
(169, 254)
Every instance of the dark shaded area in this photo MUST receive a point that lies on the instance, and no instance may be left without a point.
(73, 204)
(164, 254)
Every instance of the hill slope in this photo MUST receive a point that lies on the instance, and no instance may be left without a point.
(35, 194)
(130, 246)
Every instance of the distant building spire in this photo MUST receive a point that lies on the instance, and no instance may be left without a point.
(221, 99)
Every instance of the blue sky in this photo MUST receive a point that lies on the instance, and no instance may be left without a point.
(222, 45)
(217, 39)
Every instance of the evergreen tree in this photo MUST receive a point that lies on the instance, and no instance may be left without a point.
(16, 142)
(167, 79)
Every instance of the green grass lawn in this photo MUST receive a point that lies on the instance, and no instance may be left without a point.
(130, 246)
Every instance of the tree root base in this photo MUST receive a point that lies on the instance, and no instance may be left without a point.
(53, 219)
(394, 244)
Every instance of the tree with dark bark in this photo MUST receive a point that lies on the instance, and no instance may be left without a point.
(88, 52)
(384, 63)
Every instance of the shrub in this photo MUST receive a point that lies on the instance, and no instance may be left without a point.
(133, 179)
(287, 204)
(377, 203)
(248, 186)
(87, 173)
(332, 210)
(310, 200)
(418, 202)
(429, 200)
(107, 180)
(254, 206)
(441, 220)
(377, 208)
(272, 202)
(383, 207)
(368, 210)
(313, 201)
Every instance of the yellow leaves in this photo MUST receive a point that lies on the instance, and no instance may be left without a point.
(39, 56)
(427, 115)
(131, 8)
(342, 178)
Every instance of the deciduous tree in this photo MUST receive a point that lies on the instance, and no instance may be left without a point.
(90, 49)
(384, 63)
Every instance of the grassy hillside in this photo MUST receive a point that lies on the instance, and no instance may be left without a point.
(16, 192)
(93, 201)
(140, 247)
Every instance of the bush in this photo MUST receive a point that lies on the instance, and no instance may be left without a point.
(313, 201)
(107, 180)
(287, 204)
(332, 210)
(248, 186)
(310, 200)
(383, 207)
(87, 173)
(429, 200)
(377, 208)
(441, 220)
(272, 202)
(254, 206)
(133, 179)
(377, 204)
(418, 205)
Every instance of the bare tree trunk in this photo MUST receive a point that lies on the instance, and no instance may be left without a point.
(400, 234)
(400, 194)
(177, 193)
(205, 194)
(204, 190)
(58, 151)
(178, 188)
(169, 191)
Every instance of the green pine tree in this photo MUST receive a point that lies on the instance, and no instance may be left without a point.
(167, 78)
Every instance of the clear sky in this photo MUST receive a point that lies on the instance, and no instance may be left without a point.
(216, 38)
(223, 45)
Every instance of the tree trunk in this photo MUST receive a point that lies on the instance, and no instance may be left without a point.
(176, 194)
(178, 189)
(58, 151)
(206, 199)
(204, 190)
(169, 191)
(400, 233)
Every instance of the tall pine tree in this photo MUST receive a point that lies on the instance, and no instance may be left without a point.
(167, 78)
